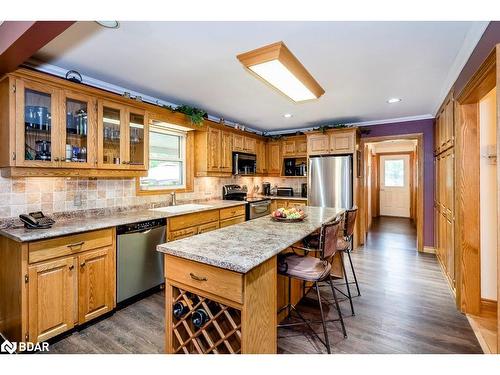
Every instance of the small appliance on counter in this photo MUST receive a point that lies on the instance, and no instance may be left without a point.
(284, 192)
(36, 220)
(256, 207)
(303, 190)
(266, 188)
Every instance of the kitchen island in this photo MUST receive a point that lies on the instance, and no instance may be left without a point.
(231, 276)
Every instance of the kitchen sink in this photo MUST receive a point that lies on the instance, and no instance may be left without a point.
(182, 208)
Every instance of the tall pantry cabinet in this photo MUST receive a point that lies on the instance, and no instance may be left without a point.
(444, 196)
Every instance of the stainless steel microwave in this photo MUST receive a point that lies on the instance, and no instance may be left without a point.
(244, 164)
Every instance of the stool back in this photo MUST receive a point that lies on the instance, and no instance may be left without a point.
(350, 220)
(328, 239)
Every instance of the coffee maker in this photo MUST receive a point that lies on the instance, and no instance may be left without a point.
(266, 188)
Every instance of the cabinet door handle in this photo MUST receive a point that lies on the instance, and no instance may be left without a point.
(82, 264)
(56, 159)
(71, 246)
(71, 267)
(197, 278)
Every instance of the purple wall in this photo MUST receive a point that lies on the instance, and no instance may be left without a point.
(426, 127)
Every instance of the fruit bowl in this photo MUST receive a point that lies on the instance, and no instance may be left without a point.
(289, 215)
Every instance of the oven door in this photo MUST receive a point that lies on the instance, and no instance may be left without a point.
(259, 209)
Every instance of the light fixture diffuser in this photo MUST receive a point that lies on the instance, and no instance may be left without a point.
(276, 65)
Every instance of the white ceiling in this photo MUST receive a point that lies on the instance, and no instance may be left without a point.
(359, 64)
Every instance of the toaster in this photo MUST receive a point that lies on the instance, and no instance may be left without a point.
(284, 192)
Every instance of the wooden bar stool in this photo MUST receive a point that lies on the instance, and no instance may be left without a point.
(310, 269)
(345, 246)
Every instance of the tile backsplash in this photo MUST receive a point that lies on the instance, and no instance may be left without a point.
(60, 194)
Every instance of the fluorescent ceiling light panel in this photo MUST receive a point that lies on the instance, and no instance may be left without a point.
(276, 65)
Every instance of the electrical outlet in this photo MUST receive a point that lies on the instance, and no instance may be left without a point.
(77, 200)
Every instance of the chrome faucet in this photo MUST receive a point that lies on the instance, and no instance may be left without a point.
(174, 199)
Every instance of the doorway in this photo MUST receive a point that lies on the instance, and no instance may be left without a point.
(394, 193)
(392, 188)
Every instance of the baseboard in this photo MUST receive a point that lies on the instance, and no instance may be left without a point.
(479, 334)
(429, 250)
(488, 305)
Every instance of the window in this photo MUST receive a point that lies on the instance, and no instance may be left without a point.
(394, 173)
(167, 159)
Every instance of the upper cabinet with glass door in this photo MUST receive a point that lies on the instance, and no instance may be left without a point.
(37, 138)
(79, 141)
(111, 151)
(136, 138)
(122, 137)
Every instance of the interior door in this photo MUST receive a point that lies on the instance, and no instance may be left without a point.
(395, 185)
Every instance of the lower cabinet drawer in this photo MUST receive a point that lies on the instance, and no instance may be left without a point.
(208, 227)
(230, 212)
(182, 233)
(218, 281)
(232, 221)
(296, 203)
(192, 220)
(57, 247)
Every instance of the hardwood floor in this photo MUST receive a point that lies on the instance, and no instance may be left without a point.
(405, 307)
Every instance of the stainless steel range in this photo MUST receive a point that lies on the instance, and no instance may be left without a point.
(256, 207)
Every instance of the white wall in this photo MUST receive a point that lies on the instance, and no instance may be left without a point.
(488, 197)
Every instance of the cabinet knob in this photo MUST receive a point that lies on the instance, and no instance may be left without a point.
(82, 264)
(71, 267)
(56, 159)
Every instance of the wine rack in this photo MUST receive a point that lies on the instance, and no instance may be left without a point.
(220, 334)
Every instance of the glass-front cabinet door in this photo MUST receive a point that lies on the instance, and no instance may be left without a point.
(79, 131)
(136, 136)
(37, 141)
(111, 148)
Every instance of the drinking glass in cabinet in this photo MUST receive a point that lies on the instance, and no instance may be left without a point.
(136, 129)
(37, 125)
(76, 131)
(111, 135)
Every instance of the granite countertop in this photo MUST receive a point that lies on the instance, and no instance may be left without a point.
(84, 223)
(244, 246)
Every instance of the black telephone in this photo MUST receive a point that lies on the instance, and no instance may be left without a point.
(36, 220)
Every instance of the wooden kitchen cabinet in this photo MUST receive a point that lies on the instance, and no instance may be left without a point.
(274, 158)
(342, 142)
(50, 127)
(318, 144)
(261, 157)
(38, 130)
(188, 225)
(56, 283)
(238, 142)
(294, 146)
(121, 136)
(51, 298)
(95, 283)
(250, 145)
(213, 152)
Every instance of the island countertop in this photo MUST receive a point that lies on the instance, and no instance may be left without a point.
(242, 247)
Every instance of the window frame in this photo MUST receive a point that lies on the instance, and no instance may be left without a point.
(187, 152)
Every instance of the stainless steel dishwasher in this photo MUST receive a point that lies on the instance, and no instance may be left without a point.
(139, 265)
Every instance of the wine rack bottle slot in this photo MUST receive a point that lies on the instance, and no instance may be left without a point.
(201, 325)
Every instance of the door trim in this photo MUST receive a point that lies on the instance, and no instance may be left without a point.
(419, 214)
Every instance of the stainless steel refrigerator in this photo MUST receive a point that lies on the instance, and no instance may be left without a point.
(330, 181)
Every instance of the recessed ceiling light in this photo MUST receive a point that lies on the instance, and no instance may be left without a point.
(276, 65)
(393, 100)
(109, 24)
(287, 115)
